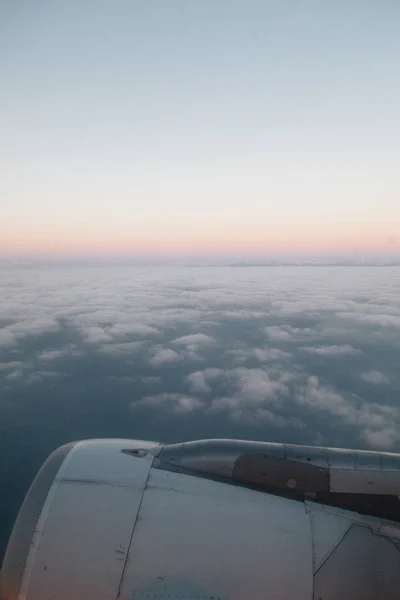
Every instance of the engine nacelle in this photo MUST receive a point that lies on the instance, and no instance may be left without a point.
(127, 519)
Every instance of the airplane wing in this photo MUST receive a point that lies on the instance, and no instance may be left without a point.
(207, 520)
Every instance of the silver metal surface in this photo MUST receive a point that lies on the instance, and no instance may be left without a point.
(307, 454)
(284, 466)
(227, 542)
(328, 529)
(368, 461)
(340, 458)
(127, 519)
(82, 537)
(390, 461)
(364, 566)
(365, 482)
(212, 457)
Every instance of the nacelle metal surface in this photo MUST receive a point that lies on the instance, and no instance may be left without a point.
(127, 519)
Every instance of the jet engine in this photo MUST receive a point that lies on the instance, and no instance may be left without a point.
(207, 520)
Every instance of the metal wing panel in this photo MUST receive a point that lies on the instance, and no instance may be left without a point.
(200, 538)
(363, 565)
(328, 529)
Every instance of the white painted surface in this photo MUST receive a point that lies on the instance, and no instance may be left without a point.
(200, 538)
(364, 566)
(102, 461)
(328, 530)
(87, 525)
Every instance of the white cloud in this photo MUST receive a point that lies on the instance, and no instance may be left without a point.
(383, 320)
(122, 378)
(385, 438)
(221, 404)
(175, 403)
(164, 356)
(14, 375)
(150, 380)
(211, 373)
(38, 376)
(254, 392)
(257, 386)
(9, 366)
(195, 342)
(95, 335)
(372, 419)
(121, 348)
(240, 355)
(334, 350)
(323, 310)
(375, 377)
(11, 334)
(287, 333)
(238, 412)
(49, 355)
(198, 383)
(269, 354)
(7, 338)
(137, 329)
(277, 334)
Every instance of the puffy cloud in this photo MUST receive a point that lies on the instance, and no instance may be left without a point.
(122, 378)
(38, 376)
(164, 356)
(11, 365)
(175, 403)
(375, 377)
(139, 329)
(239, 355)
(198, 383)
(277, 334)
(14, 375)
(150, 380)
(7, 338)
(257, 386)
(95, 335)
(254, 392)
(257, 314)
(26, 327)
(195, 341)
(242, 354)
(121, 348)
(333, 351)
(373, 419)
(14, 370)
(384, 438)
(270, 354)
(383, 320)
(49, 355)
(287, 333)
(238, 412)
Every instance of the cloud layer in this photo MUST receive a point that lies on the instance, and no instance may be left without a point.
(312, 352)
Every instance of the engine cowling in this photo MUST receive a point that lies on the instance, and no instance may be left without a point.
(128, 519)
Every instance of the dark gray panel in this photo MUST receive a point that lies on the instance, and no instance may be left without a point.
(277, 473)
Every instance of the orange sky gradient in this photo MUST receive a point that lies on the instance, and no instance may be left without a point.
(260, 240)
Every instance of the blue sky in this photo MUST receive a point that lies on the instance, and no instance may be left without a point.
(193, 126)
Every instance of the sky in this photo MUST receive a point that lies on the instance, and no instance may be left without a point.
(299, 355)
(181, 127)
